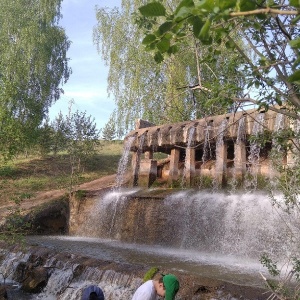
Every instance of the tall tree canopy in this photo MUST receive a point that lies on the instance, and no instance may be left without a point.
(180, 88)
(270, 29)
(33, 65)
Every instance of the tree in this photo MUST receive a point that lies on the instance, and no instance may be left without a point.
(59, 140)
(45, 138)
(77, 134)
(271, 60)
(172, 91)
(33, 65)
(269, 63)
(109, 130)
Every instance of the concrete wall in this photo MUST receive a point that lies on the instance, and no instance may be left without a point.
(218, 147)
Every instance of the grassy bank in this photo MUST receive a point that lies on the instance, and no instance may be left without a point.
(25, 176)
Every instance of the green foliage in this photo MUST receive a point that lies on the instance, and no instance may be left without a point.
(203, 182)
(109, 130)
(261, 138)
(80, 138)
(45, 138)
(7, 171)
(150, 274)
(268, 66)
(80, 194)
(282, 287)
(15, 226)
(154, 9)
(160, 93)
(32, 174)
(76, 133)
(33, 65)
(270, 265)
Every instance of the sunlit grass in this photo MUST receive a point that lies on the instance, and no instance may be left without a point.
(32, 174)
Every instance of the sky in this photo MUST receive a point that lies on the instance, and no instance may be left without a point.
(87, 85)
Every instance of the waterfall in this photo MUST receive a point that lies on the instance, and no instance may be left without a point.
(138, 158)
(238, 156)
(187, 166)
(241, 131)
(253, 158)
(206, 147)
(241, 225)
(276, 153)
(67, 278)
(220, 159)
(122, 168)
(123, 163)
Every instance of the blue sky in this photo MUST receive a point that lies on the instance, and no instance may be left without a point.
(87, 85)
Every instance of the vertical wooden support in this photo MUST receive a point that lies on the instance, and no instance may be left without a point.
(148, 155)
(240, 160)
(147, 172)
(190, 166)
(136, 157)
(221, 163)
(174, 161)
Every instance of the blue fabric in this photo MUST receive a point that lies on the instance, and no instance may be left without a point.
(92, 288)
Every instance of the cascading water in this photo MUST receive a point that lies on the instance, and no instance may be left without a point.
(241, 225)
(122, 168)
(206, 147)
(210, 234)
(253, 158)
(277, 151)
(123, 163)
(241, 137)
(186, 170)
(67, 279)
(219, 162)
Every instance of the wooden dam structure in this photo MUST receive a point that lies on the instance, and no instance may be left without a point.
(217, 147)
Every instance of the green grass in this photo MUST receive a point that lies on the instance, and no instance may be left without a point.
(28, 175)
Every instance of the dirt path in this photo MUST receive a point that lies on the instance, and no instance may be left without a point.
(46, 196)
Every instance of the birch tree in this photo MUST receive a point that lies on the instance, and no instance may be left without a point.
(173, 91)
(33, 65)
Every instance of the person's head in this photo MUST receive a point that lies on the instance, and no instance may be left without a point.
(93, 296)
(92, 292)
(166, 286)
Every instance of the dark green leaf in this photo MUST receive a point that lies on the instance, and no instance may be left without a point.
(164, 45)
(173, 49)
(295, 77)
(151, 46)
(295, 43)
(165, 27)
(204, 32)
(295, 20)
(205, 5)
(296, 63)
(176, 27)
(148, 39)
(229, 44)
(278, 100)
(183, 13)
(197, 25)
(225, 4)
(246, 5)
(153, 9)
(208, 41)
(158, 57)
(184, 3)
